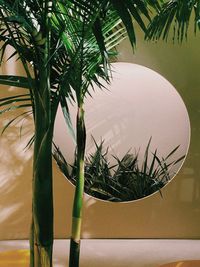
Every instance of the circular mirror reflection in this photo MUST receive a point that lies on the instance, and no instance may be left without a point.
(138, 134)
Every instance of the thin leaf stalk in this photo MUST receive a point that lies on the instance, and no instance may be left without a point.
(78, 198)
(31, 244)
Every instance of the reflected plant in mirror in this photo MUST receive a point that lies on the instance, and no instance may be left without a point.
(128, 178)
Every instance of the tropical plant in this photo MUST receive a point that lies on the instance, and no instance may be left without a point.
(175, 14)
(28, 32)
(63, 47)
(125, 180)
(125, 9)
(52, 62)
(82, 84)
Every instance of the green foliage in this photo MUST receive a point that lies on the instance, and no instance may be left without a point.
(128, 179)
(175, 15)
(64, 46)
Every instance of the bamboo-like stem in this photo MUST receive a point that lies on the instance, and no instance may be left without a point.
(43, 196)
(42, 164)
(78, 198)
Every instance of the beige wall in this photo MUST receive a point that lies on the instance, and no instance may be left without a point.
(177, 215)
(15, 169)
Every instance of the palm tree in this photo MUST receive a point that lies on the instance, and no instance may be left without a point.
(25, 25)
(88, 66)
(63, 46)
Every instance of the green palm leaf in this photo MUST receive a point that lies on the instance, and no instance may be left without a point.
(16, 81)
(176, 15)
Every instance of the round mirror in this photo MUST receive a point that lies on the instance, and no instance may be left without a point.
(138, 134)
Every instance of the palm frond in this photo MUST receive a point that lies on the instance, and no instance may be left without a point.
(16, 81)
(16, 120)
(136, 10)
(175, 15)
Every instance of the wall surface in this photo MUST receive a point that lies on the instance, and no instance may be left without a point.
(176, 215)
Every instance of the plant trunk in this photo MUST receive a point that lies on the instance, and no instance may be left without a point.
(44, 117)
(42, 231)
(41, 239)
(78, 198)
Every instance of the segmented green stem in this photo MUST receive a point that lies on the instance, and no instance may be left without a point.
(78, 198)
(42, 231)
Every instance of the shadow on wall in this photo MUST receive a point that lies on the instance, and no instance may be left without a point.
(15, 163)
(15, 175)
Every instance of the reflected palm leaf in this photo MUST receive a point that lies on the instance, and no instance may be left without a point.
(126, 180)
